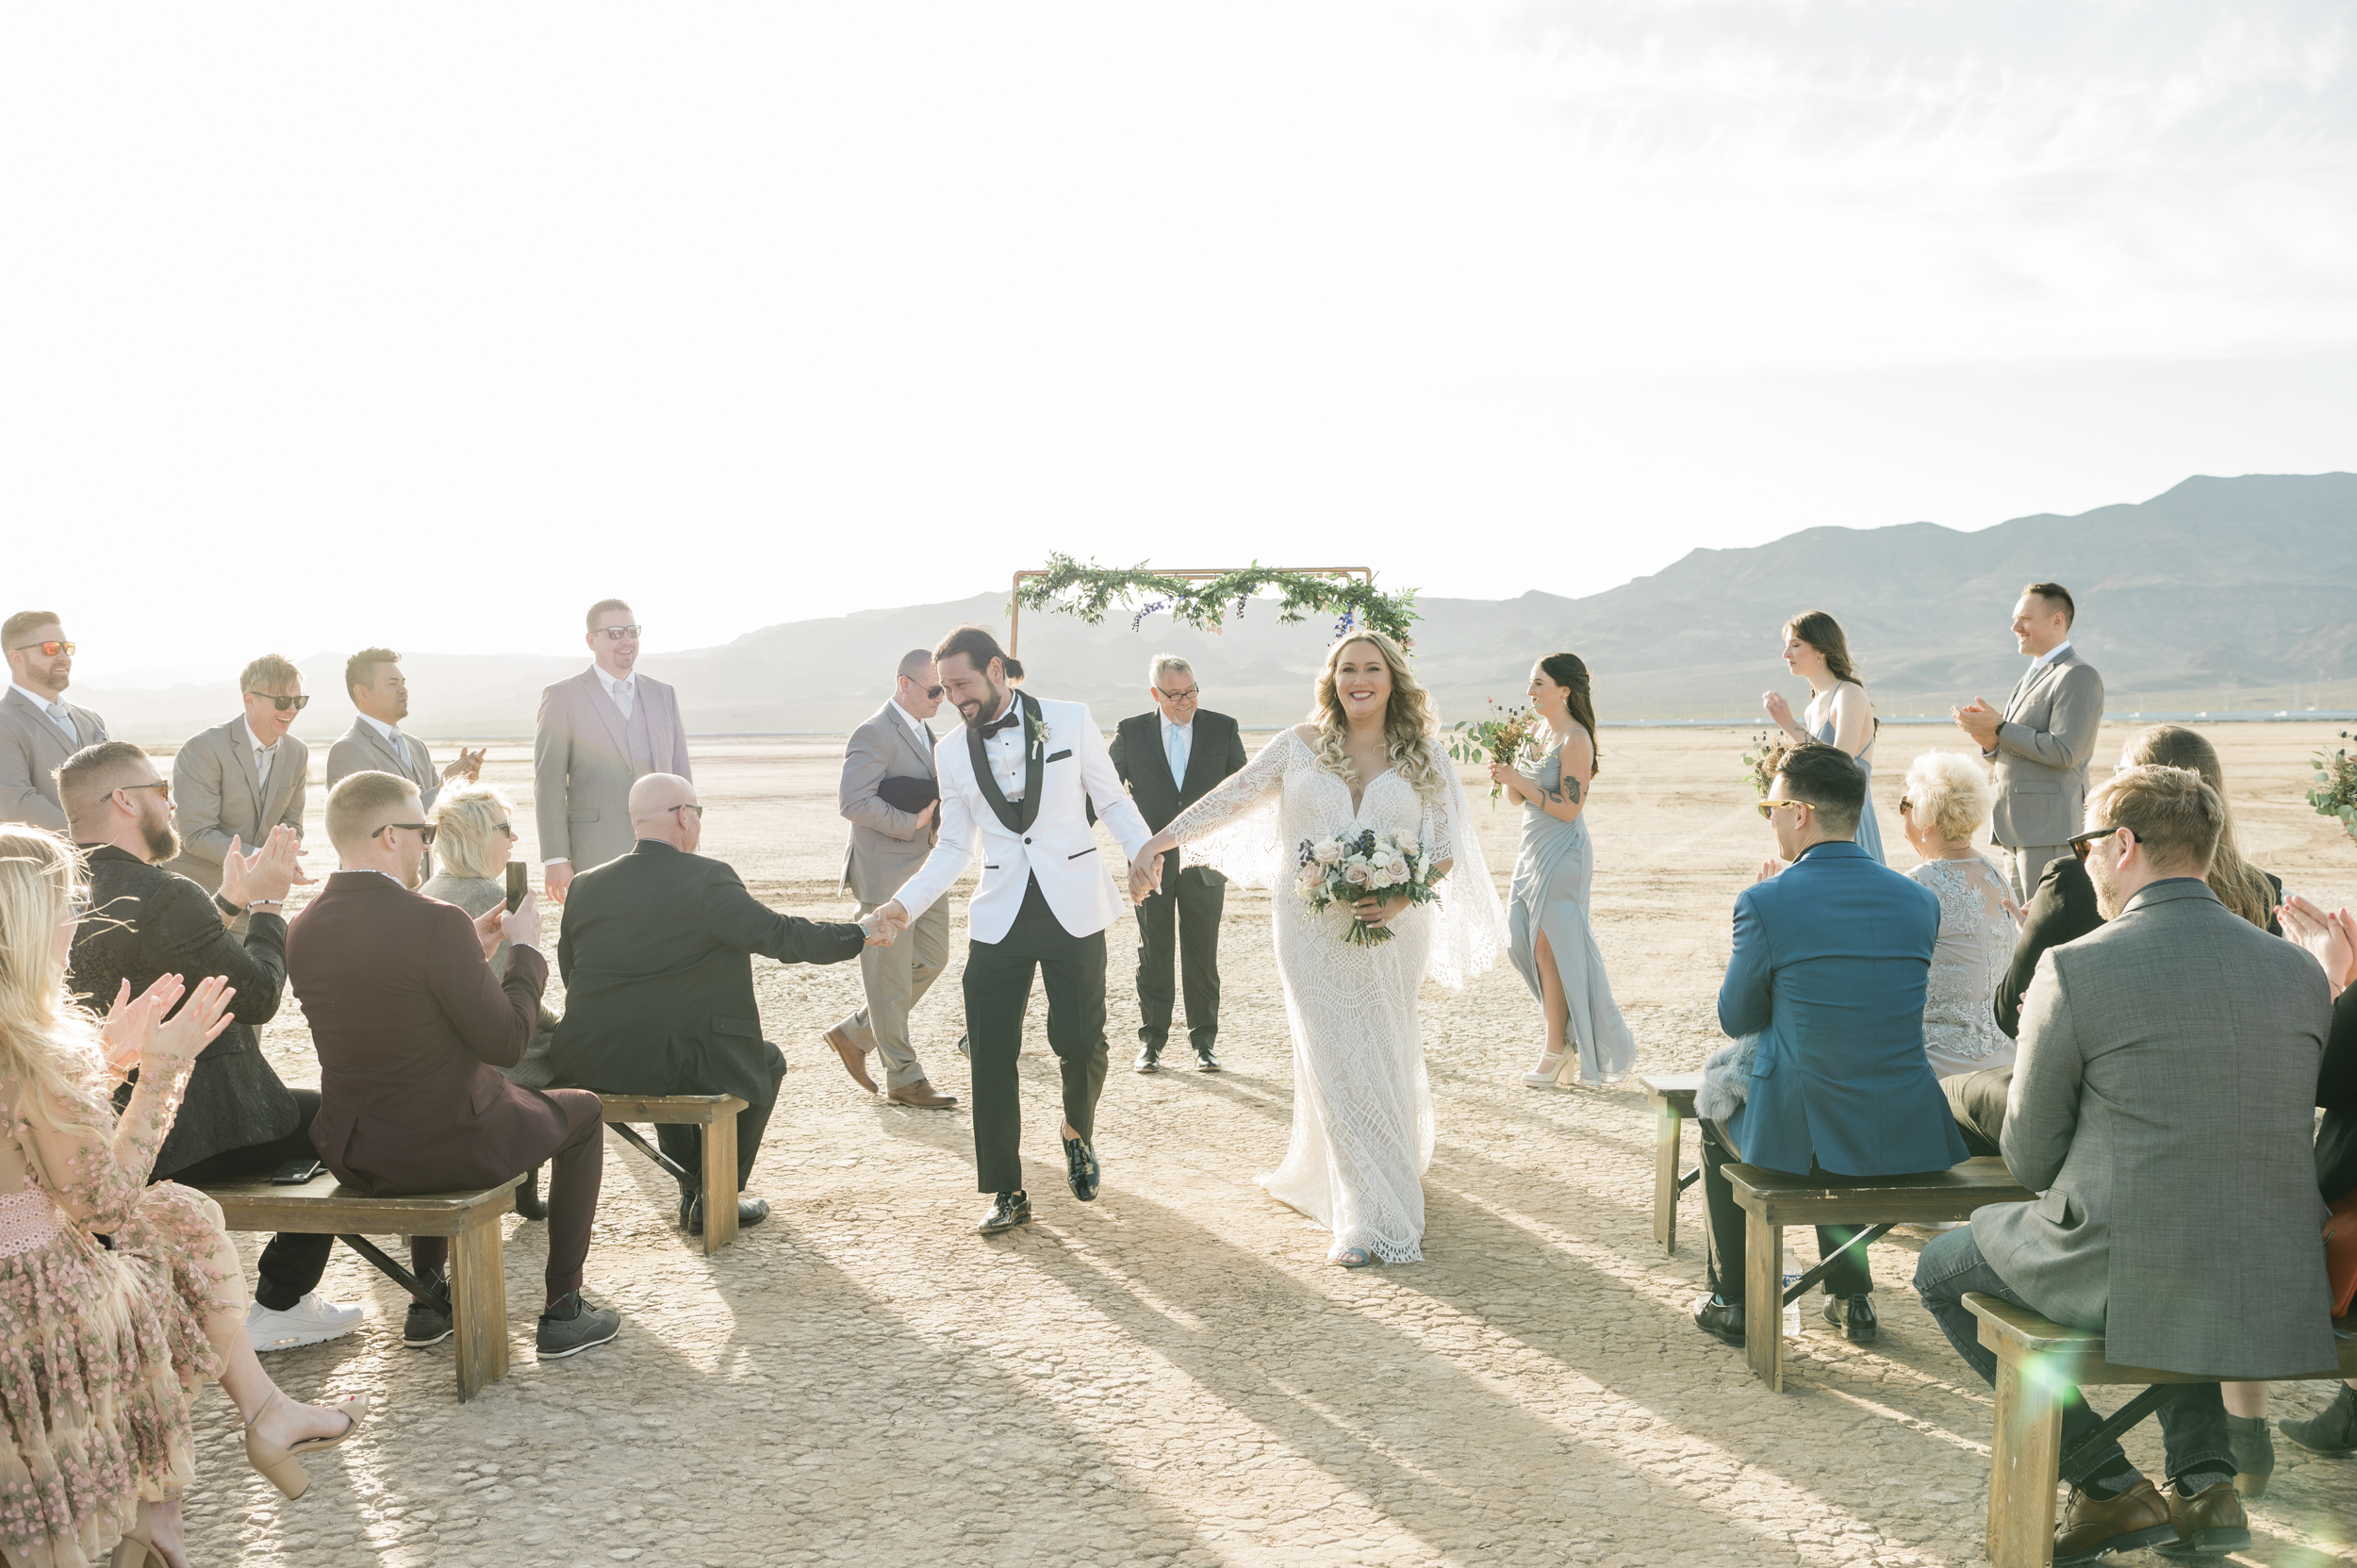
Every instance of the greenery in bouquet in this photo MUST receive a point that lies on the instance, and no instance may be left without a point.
(2335, 795)
(1759, 764)
(1366, 864)
(1503, 737)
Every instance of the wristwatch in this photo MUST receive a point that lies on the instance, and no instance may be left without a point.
(226, 907)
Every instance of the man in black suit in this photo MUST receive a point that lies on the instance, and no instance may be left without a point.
(656, 955)
(238, 1119)
(1170, 759)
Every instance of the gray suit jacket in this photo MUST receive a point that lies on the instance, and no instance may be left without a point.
(886, 844)
(30, 750)
(363, 749)
(581, 771)
(2164, 1104)
(216, 795)
(2042, 750)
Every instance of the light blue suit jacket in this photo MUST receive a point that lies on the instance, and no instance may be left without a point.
(1831, 959)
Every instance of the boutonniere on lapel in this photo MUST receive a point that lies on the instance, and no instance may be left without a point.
(1035, 725)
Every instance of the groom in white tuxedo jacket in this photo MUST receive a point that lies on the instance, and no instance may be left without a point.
(1015, 780)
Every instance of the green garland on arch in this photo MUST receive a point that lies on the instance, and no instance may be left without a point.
(1088, 590)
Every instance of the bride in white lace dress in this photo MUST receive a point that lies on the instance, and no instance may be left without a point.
(1362, 1109)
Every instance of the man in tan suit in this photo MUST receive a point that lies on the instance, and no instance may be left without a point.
(887, 768)
(599, 732)
(375, 744)
(2040, 745)
(39, 727)
(246, 776)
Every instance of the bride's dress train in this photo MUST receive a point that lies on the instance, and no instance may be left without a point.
(1363, 1108)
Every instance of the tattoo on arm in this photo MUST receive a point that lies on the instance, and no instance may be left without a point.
(1567, 791)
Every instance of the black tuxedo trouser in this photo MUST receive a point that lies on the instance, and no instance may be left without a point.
(291, 1263)
(1724, 1221)
(1183, 918)
(998, 991)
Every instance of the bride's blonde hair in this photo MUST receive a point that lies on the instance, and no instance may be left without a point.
(1409, 723)
(47, 1041)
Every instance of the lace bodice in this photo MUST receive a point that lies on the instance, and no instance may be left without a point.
(94, 1162)
(1976, 937)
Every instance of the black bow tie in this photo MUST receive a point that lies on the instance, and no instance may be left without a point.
(1004, 721)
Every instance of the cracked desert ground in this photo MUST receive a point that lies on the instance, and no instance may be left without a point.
(1174, 1374)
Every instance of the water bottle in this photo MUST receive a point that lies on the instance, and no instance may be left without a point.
(1792, 1308)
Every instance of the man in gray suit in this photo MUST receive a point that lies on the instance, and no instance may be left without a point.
(2163, 1104)
(244, 778)
(2040, 744)
(599, 732)
(374, 744)
(39, 727)
(890, 796)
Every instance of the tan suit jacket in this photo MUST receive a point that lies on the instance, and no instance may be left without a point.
(31, 749)
(217, 794)
(886, 846)
(581, 771)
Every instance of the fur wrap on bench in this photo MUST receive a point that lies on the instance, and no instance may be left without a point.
(1726, 1078)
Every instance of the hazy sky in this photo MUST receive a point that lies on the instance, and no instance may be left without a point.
(429, 324)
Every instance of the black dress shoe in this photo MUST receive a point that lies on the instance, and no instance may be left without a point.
(1080, 1163)
(528, 1202)
(1854, 1316)
(1007, 1210)
(1149, 1061)
(749, 1212)
(1722, 1320)
(1206, 1063)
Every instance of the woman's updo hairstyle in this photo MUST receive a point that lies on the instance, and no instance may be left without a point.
(1569, 670)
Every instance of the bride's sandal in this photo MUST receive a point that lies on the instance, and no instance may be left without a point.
(281, 1465)
(1548, 1072)
(1355, 1256)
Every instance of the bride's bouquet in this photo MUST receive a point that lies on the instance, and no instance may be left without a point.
(1369, 864)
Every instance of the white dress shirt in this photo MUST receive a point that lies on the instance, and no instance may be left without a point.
(624, 691)
(262, 755)
(924, 734)
(2050, 655)
(55, 708)
(1178, 744)
(391, 734)
(1004, 752)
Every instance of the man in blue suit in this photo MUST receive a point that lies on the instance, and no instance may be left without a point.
(1831, 955)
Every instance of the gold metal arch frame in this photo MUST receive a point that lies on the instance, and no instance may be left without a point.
(1014, 594)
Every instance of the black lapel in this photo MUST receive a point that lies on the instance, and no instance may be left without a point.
(1034, 767)
(988, 783)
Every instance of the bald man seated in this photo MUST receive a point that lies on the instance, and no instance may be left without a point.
(656, 954)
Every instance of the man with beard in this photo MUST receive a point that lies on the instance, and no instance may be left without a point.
(238, 1119)
(2163, 1104)
(39, 729)
(1016, 785)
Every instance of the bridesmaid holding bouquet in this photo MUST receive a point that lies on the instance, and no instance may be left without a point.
(1547, 912)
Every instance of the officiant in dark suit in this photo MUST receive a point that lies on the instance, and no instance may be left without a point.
(1170, 759)
(375, 743)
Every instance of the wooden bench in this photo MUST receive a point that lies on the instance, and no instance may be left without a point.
(1773, 1199)
(478, 1275)
(717, 1182)
(2035, 1358)
(1671, 1096)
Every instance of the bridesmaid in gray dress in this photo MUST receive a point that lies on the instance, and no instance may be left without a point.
(1547, 912)
(1839, 711)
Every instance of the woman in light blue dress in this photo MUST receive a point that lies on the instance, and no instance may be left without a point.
(1547, 910)
(1838, 713)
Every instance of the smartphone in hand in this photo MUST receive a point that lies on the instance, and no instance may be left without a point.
(516, 884)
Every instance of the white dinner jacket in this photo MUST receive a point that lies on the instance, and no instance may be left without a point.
(1061, 849)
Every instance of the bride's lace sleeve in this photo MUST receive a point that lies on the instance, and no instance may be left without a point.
(1469, 924)
(95, 1164)
(1234, 829)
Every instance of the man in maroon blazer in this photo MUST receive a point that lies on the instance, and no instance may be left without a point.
(409, 1022)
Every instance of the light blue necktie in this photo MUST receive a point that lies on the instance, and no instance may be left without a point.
(64, 720)
(1178, 737)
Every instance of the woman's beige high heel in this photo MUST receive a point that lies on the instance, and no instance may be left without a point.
(281, 1465)
(137, 1549)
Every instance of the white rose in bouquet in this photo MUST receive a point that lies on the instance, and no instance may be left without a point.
(1405, 843)
(1358, 874)
(1396, 869)
(1327, 853)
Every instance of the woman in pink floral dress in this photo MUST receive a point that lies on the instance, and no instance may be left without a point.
(102, 1351)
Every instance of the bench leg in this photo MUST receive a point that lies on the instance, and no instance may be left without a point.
(1667, 1127)
(478, 1284)
(1763, 1299)
(2025, 1460)
(719, 1184)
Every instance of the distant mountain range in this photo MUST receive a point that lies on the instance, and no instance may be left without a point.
(2220, 593)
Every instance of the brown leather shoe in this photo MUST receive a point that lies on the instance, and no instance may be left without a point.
(2090, 1527)
(2211, 1523)
(854, 1059)
(920, 1094)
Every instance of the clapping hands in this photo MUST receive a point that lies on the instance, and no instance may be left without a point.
(2331, 937)
(1979, 721)
(137, 1034)
(468, 764)
(266, 874)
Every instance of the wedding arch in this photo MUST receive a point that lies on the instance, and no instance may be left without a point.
(1204, 599)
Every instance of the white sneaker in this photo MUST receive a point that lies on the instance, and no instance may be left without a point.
(310, 1321)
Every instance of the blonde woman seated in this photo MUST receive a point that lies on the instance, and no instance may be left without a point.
(1947, 801)
(102, 1349)
(475, 838)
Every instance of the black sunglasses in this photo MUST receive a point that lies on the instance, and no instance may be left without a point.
(283, 704)
(2080, 842)
(424, 829)
(619, 633)
(697, 810)
(932, 693)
